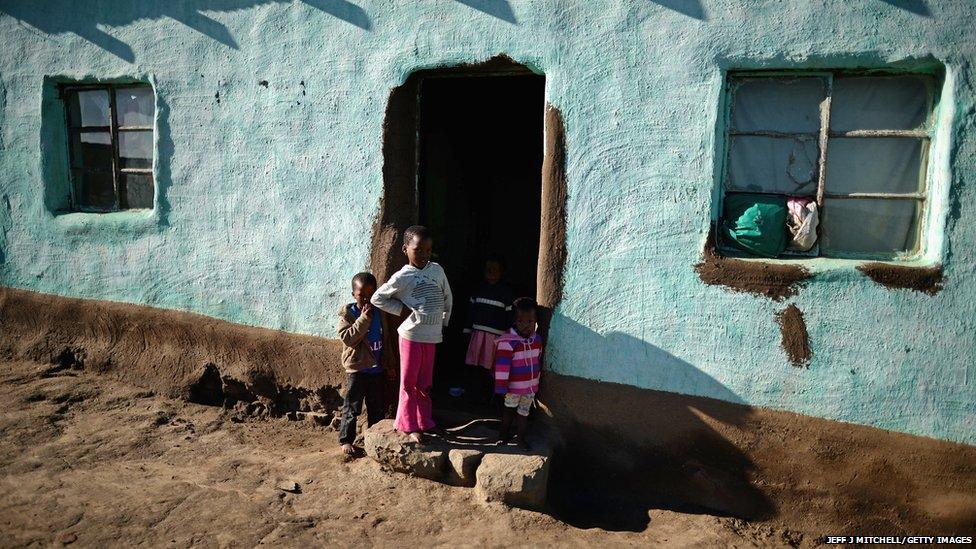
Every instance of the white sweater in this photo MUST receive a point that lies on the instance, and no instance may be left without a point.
(426, 293)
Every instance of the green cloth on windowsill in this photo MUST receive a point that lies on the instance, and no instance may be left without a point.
(756, 223)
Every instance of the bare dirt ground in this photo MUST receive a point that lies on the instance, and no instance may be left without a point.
(88, 461)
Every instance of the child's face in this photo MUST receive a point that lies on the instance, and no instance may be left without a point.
(493, 272)
(419, 251)
(362, 292)
(525, 322)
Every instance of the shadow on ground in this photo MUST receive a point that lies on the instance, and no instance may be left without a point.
(629, 450)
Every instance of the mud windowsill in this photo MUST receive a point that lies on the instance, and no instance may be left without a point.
(833, 264)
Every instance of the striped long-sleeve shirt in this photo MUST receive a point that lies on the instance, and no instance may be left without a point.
(518, 363)
(490, 309)
(426, 293)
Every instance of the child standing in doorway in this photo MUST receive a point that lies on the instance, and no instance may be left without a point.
(489, 316)
(420, 293)
(517, 369)
(360, 329)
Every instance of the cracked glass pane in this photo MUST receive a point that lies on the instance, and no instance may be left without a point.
(869, 226)
(875, 165)
(773, 164)
(790, 105)
(880, 103)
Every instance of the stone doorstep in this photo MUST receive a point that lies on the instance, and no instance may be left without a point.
(468, 457)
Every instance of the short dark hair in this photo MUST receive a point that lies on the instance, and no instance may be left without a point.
(524, 304)
(415, 231)
(364, 279)
(495, 258)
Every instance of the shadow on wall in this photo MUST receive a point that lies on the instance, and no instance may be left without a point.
(497, 8)
(623, 358)
(694, 8)
(691, 8)
(64, 16)
(918, 7)
(634, 449)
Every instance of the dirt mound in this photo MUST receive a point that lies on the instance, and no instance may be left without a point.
(178, 354)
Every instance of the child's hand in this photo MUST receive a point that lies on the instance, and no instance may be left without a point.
(368, 309)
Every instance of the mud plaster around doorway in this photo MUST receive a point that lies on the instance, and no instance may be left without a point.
(552, 231)
(399, 208)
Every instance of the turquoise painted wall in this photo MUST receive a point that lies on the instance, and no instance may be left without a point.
(267, 198)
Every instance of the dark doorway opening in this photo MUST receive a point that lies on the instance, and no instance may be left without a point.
(479, 185)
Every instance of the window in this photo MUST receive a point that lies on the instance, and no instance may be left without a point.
(110, 146)
(854, 145)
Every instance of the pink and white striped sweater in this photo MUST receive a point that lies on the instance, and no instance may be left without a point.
(517, 363)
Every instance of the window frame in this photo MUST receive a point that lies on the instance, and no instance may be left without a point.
(114, 130)
(823, 136)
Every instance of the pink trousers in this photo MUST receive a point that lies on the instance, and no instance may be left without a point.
(415, 409)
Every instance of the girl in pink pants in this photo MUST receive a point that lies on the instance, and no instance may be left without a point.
(419, 293)
(416, 378)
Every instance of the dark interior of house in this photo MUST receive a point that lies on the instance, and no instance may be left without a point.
(479, 182)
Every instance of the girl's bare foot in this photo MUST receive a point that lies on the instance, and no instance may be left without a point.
(415, 437)
(348, 449)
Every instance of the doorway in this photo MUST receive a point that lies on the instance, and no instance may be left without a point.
(479, 188)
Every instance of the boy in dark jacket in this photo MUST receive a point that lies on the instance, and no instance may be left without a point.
(360, 329)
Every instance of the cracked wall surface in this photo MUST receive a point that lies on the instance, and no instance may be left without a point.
(269, 129)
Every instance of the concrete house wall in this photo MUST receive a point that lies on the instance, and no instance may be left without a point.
(269, 172)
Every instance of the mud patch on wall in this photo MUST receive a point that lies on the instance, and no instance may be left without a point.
(552, 232)
(552, 227)
(398, 206)
(775, 281)
(927, 280)
(796, 341)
